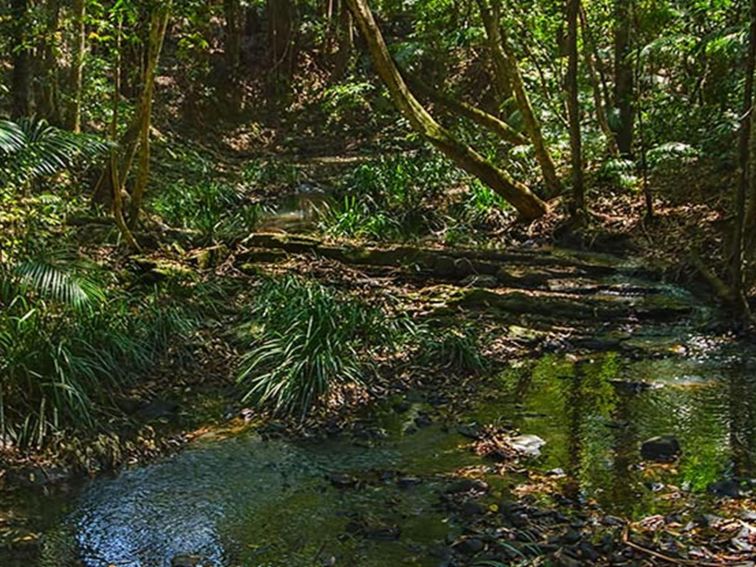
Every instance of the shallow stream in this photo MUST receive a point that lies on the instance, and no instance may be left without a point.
(374, 497)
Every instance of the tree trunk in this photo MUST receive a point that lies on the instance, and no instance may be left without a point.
(746, 158)
(623, 77)
(49, 102)
(21, 75)
(115, 180)
(281, 36)
(345, 42)
(77, 64)
(527, 204)
(158, 26)
(597, 83)
(573, 109)
(502, 53)
(502, 72)
(233, 16)
(473, 113)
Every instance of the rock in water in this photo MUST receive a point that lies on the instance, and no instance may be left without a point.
(528, 445)
(664, 448)
(187, 561)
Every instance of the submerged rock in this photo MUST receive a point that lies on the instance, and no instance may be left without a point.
(471, 431)
(728, 488)
(467, 485)
(664, 448)
(342, 480)
(408, 481)
(188, 561)
(528, 445)
(470, 546)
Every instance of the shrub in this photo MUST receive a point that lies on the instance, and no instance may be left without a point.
(306, 341)
(66, 345)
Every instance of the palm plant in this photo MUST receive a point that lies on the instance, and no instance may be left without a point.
(32, 149)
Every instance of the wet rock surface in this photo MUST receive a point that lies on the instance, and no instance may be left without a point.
(664, 448)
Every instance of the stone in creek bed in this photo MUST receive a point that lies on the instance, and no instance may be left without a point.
(188, 561)
(471, 431)
(470, 546)
(528, 445)
(423, 420)
(472, 508)
(727, 488)
(342, 480)
(664, 448)
(159, 409)
(467, 485)
(408, 481)
(571, 536)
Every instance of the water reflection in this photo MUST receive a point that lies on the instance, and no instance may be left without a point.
(595, 413)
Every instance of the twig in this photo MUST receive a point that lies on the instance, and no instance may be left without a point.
(678, 561)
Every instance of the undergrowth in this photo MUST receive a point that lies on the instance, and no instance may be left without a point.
(68, 343)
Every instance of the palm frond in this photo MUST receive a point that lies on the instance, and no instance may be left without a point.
(65, 284)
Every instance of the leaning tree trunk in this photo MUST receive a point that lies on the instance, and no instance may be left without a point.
(21, 75)
(115, 180)
(623, 77)
(518, 195)
(158, 27)
(472, 113)
(573, 109)
(502, 53)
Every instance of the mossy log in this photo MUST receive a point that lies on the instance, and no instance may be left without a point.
(518, 267)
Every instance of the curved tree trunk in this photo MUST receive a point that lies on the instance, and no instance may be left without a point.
(518, 195)
(746, 159)
(623, 77)
(502, 53)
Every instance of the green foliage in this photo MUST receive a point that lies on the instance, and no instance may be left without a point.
(390, 198)
(671, 155)
(66, 344)
(31, 149)
(347, 101)
(306, 341)
(270, 174)
(216, 209)
(620, 173)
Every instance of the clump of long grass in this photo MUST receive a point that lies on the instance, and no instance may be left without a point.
(306, 341)
(390, 198)
(455, 349)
